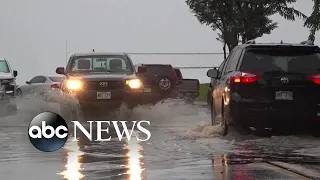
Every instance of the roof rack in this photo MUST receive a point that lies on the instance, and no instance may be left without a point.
(308, 42)
(251, 42)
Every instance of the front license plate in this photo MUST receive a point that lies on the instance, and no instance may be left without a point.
(103, 95)
(284, 95)
(147, 90)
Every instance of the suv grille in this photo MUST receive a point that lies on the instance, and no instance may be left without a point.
(95, 85)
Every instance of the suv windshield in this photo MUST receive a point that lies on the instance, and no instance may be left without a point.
(101, 64)
(4, 67)
(295, 61)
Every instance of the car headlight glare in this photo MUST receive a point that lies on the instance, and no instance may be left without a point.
(74, 84)
(134, 83)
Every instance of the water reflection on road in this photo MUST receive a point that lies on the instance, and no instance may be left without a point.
(134, 158)
(73, 164)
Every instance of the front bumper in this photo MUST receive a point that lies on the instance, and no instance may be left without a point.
(7, 92)
(7, 104)
(88, 99)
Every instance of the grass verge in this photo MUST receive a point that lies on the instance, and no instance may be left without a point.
(203, 92)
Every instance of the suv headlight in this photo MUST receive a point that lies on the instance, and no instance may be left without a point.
(74, 84)
(134, 83)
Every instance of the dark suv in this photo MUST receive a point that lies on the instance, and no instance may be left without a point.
(101, 81)
(265, 86)
(160, 82)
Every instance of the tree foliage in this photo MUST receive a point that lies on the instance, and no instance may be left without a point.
(245, 19)
(313, 21)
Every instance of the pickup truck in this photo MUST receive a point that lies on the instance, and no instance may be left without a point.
(101, 83)
(188, 89)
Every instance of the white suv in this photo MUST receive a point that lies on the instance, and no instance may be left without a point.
(7, 88)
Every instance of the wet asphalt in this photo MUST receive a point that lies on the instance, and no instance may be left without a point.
(182, 146)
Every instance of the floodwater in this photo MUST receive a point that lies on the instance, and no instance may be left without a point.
(182, 146)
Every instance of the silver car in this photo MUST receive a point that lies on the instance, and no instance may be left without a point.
(39, 85)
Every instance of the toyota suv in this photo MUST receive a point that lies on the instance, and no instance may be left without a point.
(100, 81)
(268, 86)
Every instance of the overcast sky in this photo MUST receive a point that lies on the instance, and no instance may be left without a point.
(33, 33)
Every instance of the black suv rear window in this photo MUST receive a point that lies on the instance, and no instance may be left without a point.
(287, 60)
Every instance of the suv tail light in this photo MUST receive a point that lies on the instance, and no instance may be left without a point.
(315, 78)
(175, 76)
(244, 77)
(55, 86)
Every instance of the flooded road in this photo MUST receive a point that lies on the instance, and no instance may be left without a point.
(182, 146)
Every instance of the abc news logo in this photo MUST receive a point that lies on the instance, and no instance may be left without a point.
(49, 132)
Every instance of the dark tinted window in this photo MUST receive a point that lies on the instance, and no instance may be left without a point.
(33, 80)
(227, 62)
(56, 79)
(41, 79)
(232, 64)
(221, 66)
(286, 60)
(38, 79)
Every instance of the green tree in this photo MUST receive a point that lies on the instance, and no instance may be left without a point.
(313, 21)
(245, 19)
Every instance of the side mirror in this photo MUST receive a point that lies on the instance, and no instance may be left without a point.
(15, 73)
(212, 73)
(142, 69)
(60, 70)
(27, 82)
